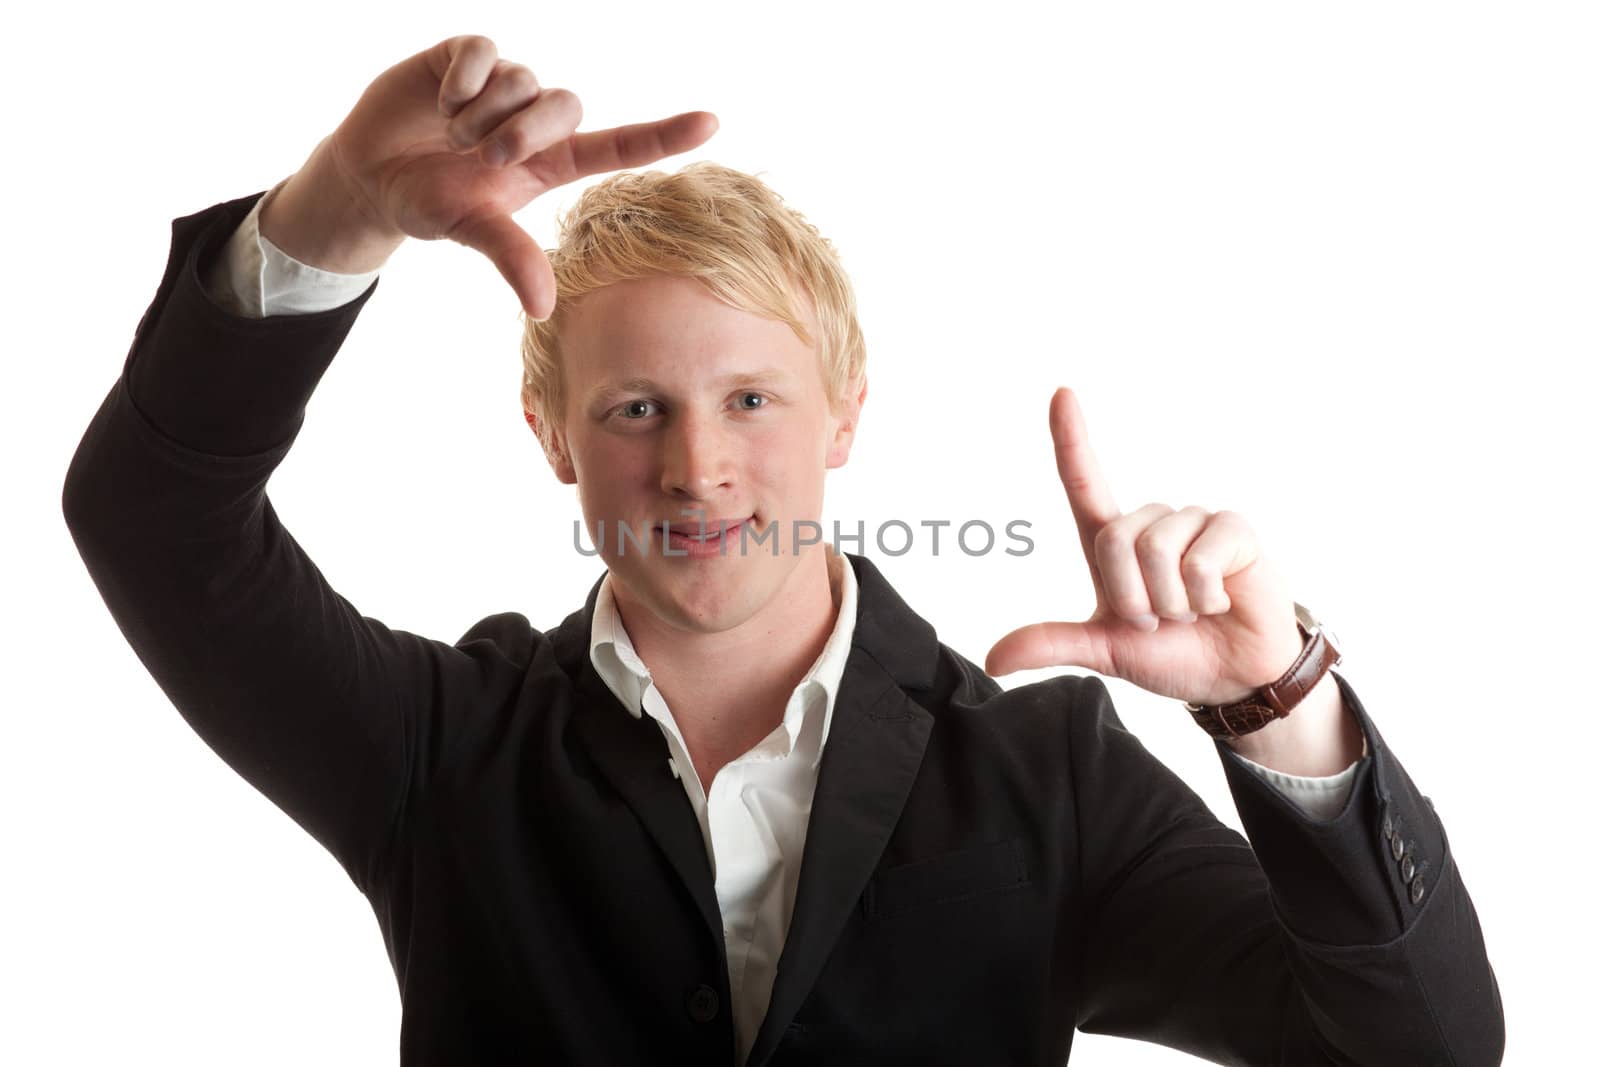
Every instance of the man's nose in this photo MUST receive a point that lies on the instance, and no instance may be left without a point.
(698, 459)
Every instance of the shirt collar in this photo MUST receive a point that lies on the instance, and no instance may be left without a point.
(625, 674)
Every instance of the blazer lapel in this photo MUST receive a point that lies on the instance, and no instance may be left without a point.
(870, 762)
(632, 755)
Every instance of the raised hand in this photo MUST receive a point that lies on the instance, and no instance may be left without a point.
(450, 142)
(1186, 604)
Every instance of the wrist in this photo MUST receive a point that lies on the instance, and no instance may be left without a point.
(318, 218)
(1321, 737)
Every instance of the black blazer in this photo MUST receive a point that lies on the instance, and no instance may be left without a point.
(984, 870)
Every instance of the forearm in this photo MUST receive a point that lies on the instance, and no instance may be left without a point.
(165, 499)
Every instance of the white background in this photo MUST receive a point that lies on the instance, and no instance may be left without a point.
(1331, 266)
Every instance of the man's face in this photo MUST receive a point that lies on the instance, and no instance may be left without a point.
(680, 407)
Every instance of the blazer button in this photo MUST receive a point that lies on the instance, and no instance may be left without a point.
(1397, 847)
(703, 1004)
(1407, 869)
(1416, 891)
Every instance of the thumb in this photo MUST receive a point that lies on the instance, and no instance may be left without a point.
(1050, 644)
(517, 257)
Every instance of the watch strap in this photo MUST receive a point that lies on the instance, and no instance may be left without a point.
(1275, 701)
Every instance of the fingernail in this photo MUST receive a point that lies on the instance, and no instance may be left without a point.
(495, 155)
(1144, 622)
(1188, 616)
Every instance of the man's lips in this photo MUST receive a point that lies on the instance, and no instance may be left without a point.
(710, 528)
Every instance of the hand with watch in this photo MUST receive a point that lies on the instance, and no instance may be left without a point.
(1276, 700)
(1187, 606)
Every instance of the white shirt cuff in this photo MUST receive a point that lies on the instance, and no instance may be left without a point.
(1321, 798)
(255, 278)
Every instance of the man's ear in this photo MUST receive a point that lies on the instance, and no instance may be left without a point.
(855, 397)
(557, 456)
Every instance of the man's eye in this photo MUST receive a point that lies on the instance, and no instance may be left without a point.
(630, 409)
(761, 401)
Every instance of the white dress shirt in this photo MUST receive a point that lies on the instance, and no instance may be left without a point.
(754, 821)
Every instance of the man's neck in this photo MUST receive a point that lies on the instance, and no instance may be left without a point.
(727, 691)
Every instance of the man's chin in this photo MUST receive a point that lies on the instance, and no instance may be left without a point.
(696, 599)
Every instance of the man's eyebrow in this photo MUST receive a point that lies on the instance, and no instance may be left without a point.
(764, 376)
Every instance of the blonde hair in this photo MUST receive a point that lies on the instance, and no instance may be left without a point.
(727, 229)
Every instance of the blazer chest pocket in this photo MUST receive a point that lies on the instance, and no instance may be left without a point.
(954, 876)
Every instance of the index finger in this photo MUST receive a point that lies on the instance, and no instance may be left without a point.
(622, 147)
(1087, 491)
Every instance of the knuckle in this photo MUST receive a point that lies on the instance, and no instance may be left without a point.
(568, 101)
(1154, 553)
(1153, 543)
(1077, 484)
(565, 102)
(1232, 519)
(476, 46)
(512, 142)
(460, 134)
(1203, 581)
(516, 79)
(1158, 543)
(466, 48)
(1108, 540)
(1156, 507)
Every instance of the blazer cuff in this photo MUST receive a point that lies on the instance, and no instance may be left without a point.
(1344, 880)
(215, 381)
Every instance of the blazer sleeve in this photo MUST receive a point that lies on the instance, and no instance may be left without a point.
(1319, 945)
(335, 717)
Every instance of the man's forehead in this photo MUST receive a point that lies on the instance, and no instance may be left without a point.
(663, 311)
(669, 335)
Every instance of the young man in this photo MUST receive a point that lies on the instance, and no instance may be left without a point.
(742, 807)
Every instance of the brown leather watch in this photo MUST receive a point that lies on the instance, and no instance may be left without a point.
(1275, 701)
